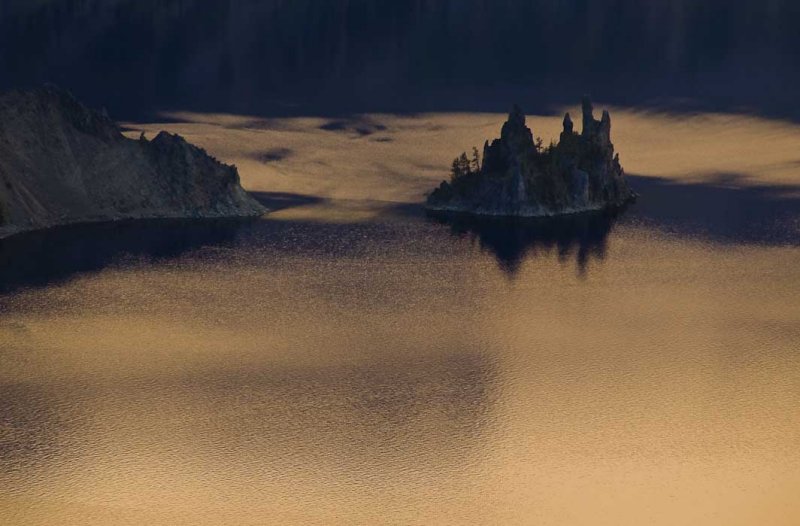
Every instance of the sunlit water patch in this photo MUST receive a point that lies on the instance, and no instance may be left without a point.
(634, 370)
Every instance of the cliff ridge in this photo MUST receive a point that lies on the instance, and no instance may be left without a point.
(61, 162)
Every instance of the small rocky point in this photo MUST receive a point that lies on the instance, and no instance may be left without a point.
(61, 163)
(519, 177)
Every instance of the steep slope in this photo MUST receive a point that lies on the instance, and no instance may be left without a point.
(61, 162)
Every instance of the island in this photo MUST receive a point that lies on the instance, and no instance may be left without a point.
(63, 163)
(520, 177)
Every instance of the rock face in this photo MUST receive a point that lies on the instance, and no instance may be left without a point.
(518, 177)
(63, 163)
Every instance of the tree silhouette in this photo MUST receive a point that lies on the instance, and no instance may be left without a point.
(476, 160)
(455, 170)
(464, 163)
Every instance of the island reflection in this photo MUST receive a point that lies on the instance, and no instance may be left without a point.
(511, 239)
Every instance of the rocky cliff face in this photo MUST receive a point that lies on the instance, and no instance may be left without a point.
(518, 177)
(63, 163)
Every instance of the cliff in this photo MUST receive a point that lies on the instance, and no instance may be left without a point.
(61, 162)
(518, 177)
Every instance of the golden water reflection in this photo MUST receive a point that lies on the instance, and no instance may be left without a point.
(397, 375)
(348, 361)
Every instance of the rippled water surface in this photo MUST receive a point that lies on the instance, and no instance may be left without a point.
(402, 370)
(347, 360)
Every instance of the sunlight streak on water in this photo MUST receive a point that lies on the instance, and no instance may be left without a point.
(395, 372)
(350, 361)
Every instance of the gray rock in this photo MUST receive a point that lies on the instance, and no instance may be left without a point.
(61, 162)
(519, 178)
(568, 126)
(589, 122)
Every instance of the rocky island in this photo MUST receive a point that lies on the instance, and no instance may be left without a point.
(519, 177)
(62, 163)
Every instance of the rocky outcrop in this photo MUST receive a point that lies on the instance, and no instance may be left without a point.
(519, 177)
(61, 162)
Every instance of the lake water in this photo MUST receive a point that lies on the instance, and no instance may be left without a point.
(401, 370)
(348, 360)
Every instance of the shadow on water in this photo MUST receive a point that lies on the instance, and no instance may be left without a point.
(275, 201)
(45, 257)
(511, 240)
(273, 155)
(724, 208)
(52, 256)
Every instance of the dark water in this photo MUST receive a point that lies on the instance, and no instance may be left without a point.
(721, 211)
(54, 256)
(337, 56)
(601, 370)
(620, 369)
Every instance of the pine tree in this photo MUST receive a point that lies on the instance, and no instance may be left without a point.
(463, 161)
(455, 170)
(476, 160)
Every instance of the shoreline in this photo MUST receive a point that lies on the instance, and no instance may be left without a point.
(7, 232)
(530, 212)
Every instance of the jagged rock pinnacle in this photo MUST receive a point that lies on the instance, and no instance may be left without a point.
(588, 116)
(517, 116)
(515, 134)
(579, 173)
(568, 125)
(604, 130)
